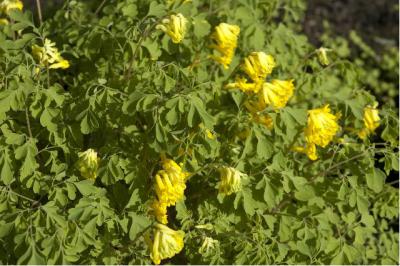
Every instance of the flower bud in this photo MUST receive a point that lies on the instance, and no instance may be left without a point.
(174, 27)
(208, 244)
(322, 56)
(230, 180)
(88, 164)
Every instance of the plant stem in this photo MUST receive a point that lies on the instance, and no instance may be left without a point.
(145, 34)
(48, 78)
(28, 123)
(17, 194)
(100, 7)
(39, 10)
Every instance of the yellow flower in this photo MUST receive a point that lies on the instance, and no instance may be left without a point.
(263, 119)
(322, 57)
(276, 94)
(174, 169)
(169, 187)
(48, 56)
(88, 164)
(209, 134)
(258, 65)
(231, 180)
(225, 37)
(166, 243)
(243, 85)
(255, 109)
(371, 121)
(7, 5)
(310, 150)
(321, 127)
(174, 26)
(160, 211)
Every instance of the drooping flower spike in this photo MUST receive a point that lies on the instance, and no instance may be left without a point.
(48, 56)
(371, 121)
(225, 41)
(174, 27)
(169, 187)
(321, 128)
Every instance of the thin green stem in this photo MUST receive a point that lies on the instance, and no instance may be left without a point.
(48, 78)
(100, 7)
(39, 11)
(28, 123)
(145, 34)
(17, 194)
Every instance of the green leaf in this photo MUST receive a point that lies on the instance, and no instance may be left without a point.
(86, 187)
(376, 179)
(351, 253)
(156, 9)
(47, 117)
(26, 154)
(207, 119)
(269, 194)
(90, 122)
(362, 204)
(303, 248)
(201, 27)
(264, 146)
(305, 193)
(153, 48)
(19, 16)
(249, 204)
(130, 10)
(134, 199)
(7, 172)
(139, 224)
(338, 259)
(5, 228)
(172, 117)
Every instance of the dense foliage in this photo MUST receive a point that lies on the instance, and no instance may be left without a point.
(114, 112)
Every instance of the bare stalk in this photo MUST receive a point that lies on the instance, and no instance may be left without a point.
(39, 10)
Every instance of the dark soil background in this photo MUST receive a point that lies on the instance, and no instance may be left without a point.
(377, 21)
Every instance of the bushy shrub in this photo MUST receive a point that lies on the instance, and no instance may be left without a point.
(201, 132)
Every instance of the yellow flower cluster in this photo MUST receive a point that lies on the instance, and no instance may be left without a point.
(275, 94)
(165, 244)
(169, 187)
(6, 6)
(257, 66)
(48, 56)
(321, 127)
(225, 41)
(174, 27)
(88, 164)
(231, 180)
(371, 121)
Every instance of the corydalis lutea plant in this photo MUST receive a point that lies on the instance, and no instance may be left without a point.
(131, 94)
